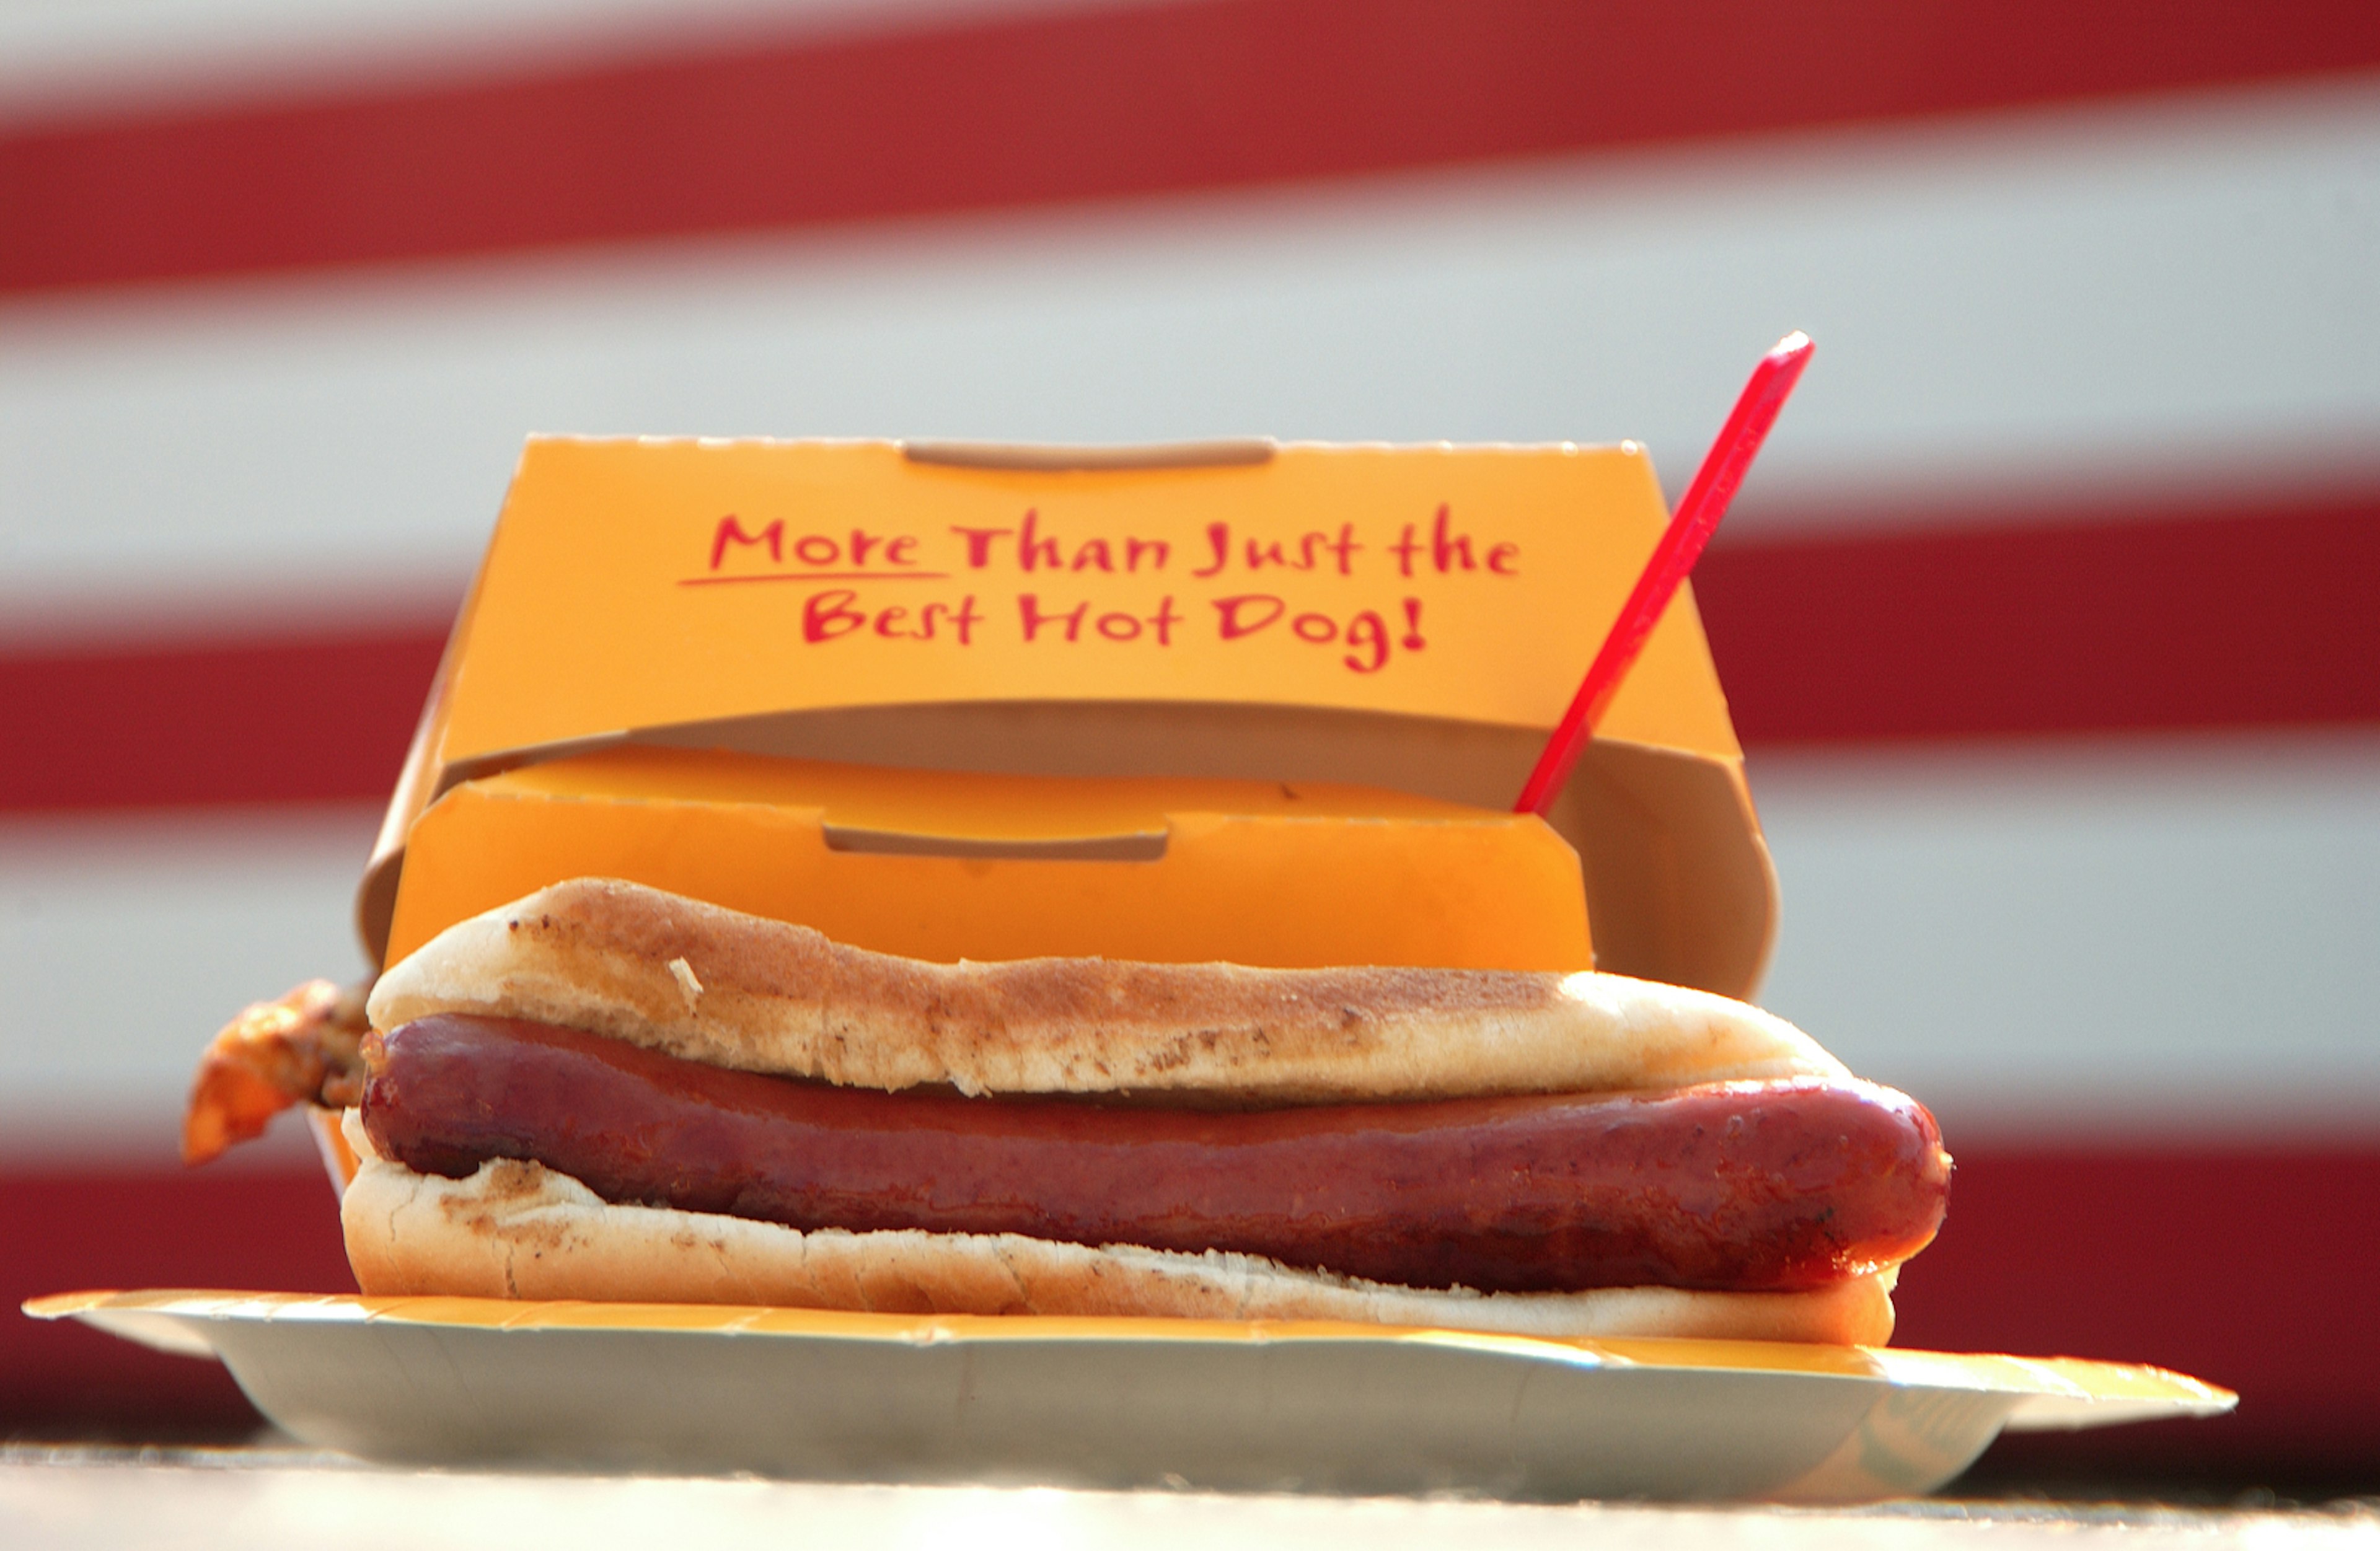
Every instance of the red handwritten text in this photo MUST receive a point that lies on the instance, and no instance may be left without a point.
(1366, 634)
(1306, 554)
(1036, 551)
(1115, 626)
(820, 551)
(1449, 550)
(832, 614)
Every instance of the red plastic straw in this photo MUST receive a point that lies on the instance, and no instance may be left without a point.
(1697, 516)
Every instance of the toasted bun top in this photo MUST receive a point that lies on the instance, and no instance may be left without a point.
(716, 986)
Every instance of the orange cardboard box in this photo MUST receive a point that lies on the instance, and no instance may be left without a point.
(1266, 703)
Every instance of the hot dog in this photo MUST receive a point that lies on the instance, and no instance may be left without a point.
(1763, 1186)
(606, 1091)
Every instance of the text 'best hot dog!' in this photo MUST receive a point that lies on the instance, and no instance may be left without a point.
(742, 977)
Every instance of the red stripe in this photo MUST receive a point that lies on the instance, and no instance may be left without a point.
(2115, 624)
(1083, 105)
(2246, 1267)
(66, 1230)
(293, 720)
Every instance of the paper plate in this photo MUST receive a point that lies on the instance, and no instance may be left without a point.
(1118, 1402)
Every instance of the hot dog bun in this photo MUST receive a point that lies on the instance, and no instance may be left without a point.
(516, 1230)
(720, 987)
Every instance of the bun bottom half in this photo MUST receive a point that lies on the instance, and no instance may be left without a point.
(517, 1229)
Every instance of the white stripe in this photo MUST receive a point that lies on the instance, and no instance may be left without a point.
(2167, 299)
(2148, 935)
(2169, 937)
(70, 56)
(125, 943)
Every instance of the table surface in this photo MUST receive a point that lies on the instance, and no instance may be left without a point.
(266, 1498)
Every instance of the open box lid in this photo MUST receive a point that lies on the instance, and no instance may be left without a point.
(1410, 617)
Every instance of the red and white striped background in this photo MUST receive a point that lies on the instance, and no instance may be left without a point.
(2049, 619)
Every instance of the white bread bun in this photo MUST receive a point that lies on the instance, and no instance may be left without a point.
(716, 986)
(517, 1229)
